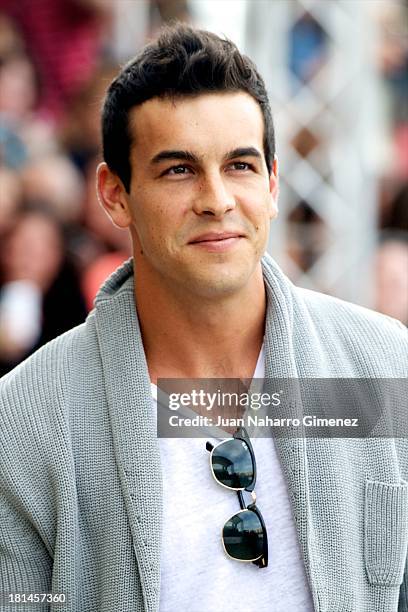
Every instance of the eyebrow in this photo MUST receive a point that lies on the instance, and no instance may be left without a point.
(180, 155)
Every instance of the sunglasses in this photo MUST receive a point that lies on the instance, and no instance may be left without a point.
(233, 466)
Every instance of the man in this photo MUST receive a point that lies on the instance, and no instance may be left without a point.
(93, 505)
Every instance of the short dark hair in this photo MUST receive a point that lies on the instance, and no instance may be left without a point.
(183, 61)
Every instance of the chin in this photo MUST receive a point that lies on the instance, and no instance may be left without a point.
(219, 283)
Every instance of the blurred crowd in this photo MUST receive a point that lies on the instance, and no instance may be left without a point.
(310, 46)
(56, 244)
(391, 263)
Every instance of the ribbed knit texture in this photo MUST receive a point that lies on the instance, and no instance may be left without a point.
(386, 509)
(80, 474)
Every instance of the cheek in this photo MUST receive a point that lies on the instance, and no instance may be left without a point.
(152, 229)
(260, 217)
(260, 220)
(272, 209)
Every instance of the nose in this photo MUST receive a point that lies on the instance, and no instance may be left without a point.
(213, 198)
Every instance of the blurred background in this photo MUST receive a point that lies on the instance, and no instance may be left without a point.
(337, 75)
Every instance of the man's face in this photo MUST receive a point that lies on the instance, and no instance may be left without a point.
(200, 198)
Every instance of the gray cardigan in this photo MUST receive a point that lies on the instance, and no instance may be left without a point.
(80, 474)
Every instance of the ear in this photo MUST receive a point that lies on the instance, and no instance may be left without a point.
(274, 189)
(112, 196)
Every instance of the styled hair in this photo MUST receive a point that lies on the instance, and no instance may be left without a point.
(183, 61)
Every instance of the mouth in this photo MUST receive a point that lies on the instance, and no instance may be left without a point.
(216, 241)
(215, 237)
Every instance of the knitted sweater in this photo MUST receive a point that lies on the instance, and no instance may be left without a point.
(80, 475)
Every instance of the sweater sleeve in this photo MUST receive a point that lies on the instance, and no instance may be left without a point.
(402, 448)
(25, 563)
(402, 445)
(403, 598)
(38, 496)
(26, 555)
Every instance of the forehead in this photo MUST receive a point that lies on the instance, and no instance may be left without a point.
(204, 123)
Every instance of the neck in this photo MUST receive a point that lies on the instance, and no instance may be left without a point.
(186, 336)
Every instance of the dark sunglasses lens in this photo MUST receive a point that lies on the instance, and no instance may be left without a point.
(232, 464)
(243, 536)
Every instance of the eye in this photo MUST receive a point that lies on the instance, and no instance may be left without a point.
(239, 165)
(177, 170)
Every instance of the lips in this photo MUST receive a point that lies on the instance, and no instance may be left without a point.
(215, 237)
(216, 242)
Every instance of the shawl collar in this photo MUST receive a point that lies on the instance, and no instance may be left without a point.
(136, 448)
(280, 362)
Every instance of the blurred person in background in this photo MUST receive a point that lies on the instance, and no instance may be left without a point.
(19, 95)
(55, 181)
(65, 39)
(40, 295)
(11, 39)
(11, 192)
(190, 171)
(391, 269)
(390, 265)
(79, 131)
(394, 210)
(18, 87)
(392, 61)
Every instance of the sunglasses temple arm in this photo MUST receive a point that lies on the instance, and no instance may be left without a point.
(209, 446)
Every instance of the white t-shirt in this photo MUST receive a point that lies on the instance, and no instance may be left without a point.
(196, 574)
